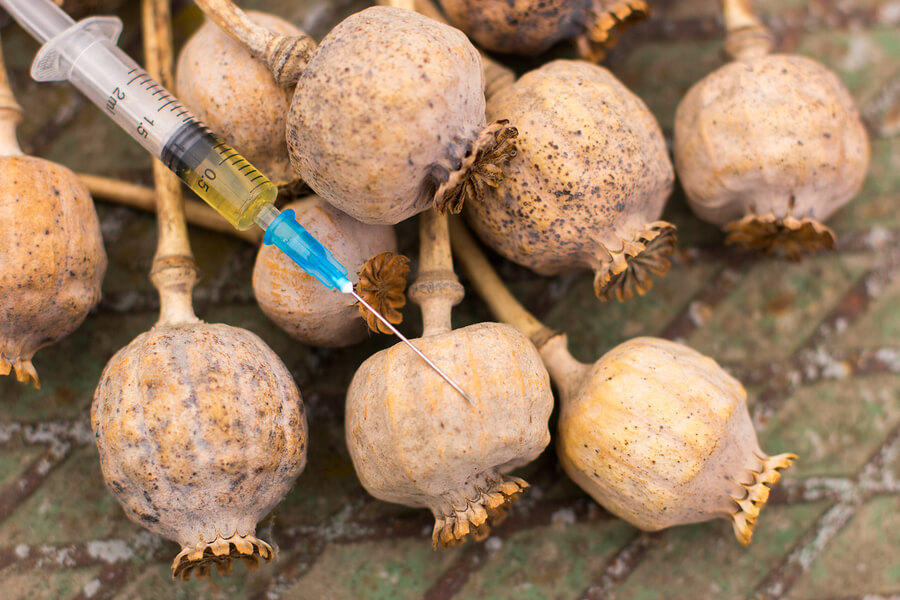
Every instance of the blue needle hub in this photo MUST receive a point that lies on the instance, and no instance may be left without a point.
(294, 240)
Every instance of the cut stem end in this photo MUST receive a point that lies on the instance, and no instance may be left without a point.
(606, 22)
(494, 146)
(787, 236)
(757, 494)
(222, 553)
(477, 516)
(382, 283)
(628, 270)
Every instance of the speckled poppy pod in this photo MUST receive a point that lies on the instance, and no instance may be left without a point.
(414, 440)
(310, 312)
(388, 118)
(200, 427)
(588, 184)
(52, 259)
(234, 93)
(770, 145)
(201, 432)
(530, 27)
(659, 435)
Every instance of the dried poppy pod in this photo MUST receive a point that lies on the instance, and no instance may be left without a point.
(237, 97)
(388, 118)
(416, 441)
(769, 146)
(660, 435)
(200, 427)
(201, 431)
(315, 315)
(654, 431)
(588, 184)
(530, 27)
(52, 259)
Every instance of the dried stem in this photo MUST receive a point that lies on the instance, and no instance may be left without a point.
(564, 369)
(10, 114)
(407, 4)
(436, 289)
(739, 14)
(285, 55)
(489, 286)
(174, 272)
(496, 76)
(747, 37)
(144, 198)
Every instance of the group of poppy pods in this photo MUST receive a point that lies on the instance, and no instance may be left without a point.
(200, 427)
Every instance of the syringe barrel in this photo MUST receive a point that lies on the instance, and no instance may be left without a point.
(122, 89)
(87, 56)
(43, 20)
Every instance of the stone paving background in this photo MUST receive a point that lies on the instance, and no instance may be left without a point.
(816, 343)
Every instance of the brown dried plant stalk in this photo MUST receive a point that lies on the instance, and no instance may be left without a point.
(625, 431)
(285, 55)
(143, 198)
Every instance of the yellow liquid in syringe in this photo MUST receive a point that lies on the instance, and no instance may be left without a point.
(218, 174)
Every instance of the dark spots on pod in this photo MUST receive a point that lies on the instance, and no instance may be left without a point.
(148, 518)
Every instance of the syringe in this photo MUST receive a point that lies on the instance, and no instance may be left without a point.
(85, 53)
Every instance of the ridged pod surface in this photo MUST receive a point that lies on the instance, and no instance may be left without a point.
(236, 96)
(660, 435)
(415, 441)
(769, 147)
(587, 186)
(301, 305)
(529, 27)
(201, 431)
(52, 259)
(389, 108)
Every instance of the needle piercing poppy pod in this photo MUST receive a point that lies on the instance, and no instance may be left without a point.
(314, 314)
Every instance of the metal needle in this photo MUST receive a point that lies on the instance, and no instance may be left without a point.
(416, 350)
